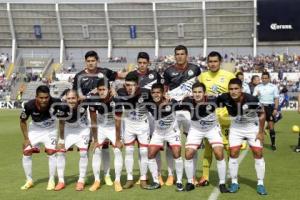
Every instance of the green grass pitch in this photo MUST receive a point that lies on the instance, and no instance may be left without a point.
(282, 171)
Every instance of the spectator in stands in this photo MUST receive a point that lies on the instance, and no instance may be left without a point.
(255, 80)
(246, 88)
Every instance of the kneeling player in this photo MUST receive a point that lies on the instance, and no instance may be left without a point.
(247, 122)
(103, 127)
(42, 129)
(204, 124)
(165, 129)
(74, 130)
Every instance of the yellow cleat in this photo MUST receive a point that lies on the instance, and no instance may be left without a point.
(170, 181)
(95, 186)
(28, 184)
(138, 182)
(108, 181)
(161, 181)
(51, 185)
(244, 145)
(118, 186)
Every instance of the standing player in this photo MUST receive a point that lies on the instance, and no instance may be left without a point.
(204, 124)
(268, 95)
(246, 88)
(103, 125)
(131, 99)
(178, 81)
(216, 82)
(247, 122)
(42, 130)
(85, 82)
(74, 130)
(165, 130)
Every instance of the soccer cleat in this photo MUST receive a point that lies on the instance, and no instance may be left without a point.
(170, 181)
(108, 181)
(261, 190)
(138, 182)
(51, 185)
(179, 187)
(79, 186)
(223, 188)
(27, 185)
(59, 186)
(234, 187)
(273, 147)
(195, 182)
(189, 187)
(128, 184)
(95, 186)
(143, 184)
(203, 181)
(161, 181)
(118, 187)
(153, 186)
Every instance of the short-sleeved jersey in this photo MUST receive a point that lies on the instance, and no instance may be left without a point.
(133, 106)
(42, 118)
(148, 79)
(216, 82)
(203, 114)
(164, 114)
(268, 92)
(174, 77)
(105, 109)
(84, 82)
(243, 113)
(73, 117)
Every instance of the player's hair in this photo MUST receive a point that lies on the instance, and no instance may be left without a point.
(239, 74)
(91, 54)
(198, 84)
(68, 91)
(132, 77)
(253, 77)
(235, 81)
(103, 82)
(42, 89)
(215, 54)
(157, 86)
(266, 74)
(143, 55)
(181, 47)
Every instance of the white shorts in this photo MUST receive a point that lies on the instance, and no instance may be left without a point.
(106, 132)
(139, 131)
(238, 134)
(172, 136)
(195, 137)
(78, 136)
(183, 119)
(46, 136)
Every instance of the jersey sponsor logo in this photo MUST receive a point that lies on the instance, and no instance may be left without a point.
(151, 76)
(35, 113)
(85, 79)
(190, 73)
(174, 73)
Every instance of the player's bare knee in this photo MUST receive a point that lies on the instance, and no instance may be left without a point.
(257, 154)
(219, 152)
(50, 152)
(189, 153)
(234, 153)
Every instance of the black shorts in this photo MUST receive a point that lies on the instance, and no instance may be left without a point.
(269, 112)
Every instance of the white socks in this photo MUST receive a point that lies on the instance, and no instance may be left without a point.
(118, 164)
(61, 163)
(144, 162)
(170, 161)
(106, 161)
(189, 169)
(233, 169)
(96, 163)
(27, 165)
(153, 169)
(52, 166)
(129, 161)
(83, 163)
(221, 166)
(179, 169)
(260, 170)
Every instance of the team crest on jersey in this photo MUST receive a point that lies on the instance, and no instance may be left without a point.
(245, 107)
(222, 79)
(51, 110)
(141, 100)
(100, 75)
(190, 73)
(81, 110)
(168, 108)
(112, 104)
(208, 108)
(151, 76)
